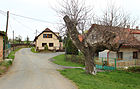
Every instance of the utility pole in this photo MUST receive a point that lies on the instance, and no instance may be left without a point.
(13, 39)
(5, 39)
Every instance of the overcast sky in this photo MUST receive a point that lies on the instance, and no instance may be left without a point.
(41, 9)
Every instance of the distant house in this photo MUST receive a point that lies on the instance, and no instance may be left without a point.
(49, 38)
(128, 51)
(1, 46)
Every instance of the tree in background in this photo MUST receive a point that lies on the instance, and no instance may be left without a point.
(70, 47)
(27, 40)
(18, 39)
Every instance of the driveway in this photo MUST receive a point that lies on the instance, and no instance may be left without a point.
(34, 71)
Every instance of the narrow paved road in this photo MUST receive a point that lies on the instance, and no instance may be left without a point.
(34, 71)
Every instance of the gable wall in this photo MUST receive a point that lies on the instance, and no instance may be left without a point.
(53, 40)
(127, 53)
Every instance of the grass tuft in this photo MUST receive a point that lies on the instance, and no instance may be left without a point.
(12, 54)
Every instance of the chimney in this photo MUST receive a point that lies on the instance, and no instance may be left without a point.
(137, 27)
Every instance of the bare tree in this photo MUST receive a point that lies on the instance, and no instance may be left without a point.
(107, 35)
(115, 17)
(78, 12)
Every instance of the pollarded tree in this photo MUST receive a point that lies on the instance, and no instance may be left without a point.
(107, 35)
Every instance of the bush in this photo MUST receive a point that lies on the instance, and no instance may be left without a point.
(46, 47)
(70, 47)
(33, 50)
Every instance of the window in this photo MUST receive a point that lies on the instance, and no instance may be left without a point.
(47, 35)
(120, 55)
(135, 55)
(50, 44)
(43, 44)
(44, 35)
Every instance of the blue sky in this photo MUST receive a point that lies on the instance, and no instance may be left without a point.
(42, 9)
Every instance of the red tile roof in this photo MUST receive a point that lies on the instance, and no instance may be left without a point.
(131, 40)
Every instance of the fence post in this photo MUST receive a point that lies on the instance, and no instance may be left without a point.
(115, 63)
(102, 63)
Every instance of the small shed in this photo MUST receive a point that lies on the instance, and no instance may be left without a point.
(103, 54)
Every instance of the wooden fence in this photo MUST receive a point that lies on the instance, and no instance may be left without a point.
(118, 63)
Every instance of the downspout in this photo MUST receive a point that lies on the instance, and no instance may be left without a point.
(108, 57)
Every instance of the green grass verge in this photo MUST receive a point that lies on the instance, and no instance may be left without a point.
(60, 60)
(12, 54)
(33, 50)
(103, 80)
(4, 65)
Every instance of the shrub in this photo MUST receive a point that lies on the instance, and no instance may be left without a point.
(33, 50)
(46, 47)
(70, 47)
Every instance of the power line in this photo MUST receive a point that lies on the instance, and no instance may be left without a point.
(35, 19)
(17, 22)
(32, 18)
(22, 24)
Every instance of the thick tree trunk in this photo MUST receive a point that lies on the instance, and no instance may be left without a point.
(89, 63)
(84, 48)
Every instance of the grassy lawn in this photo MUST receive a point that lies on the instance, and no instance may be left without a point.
(12, 54)
(103, 80)
(60, 60)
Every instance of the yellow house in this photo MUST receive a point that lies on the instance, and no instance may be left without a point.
(49, 38)
(1, 46)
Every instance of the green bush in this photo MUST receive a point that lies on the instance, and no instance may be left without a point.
(46, 47)
(33, 50)
(70, 47)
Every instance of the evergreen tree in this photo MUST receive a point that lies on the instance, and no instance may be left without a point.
(70, 47)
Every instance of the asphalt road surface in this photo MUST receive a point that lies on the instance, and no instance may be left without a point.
(34, 71)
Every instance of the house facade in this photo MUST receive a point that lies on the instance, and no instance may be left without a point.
(128, 51)
(49, 38)
(1, 46)
(123, 54)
